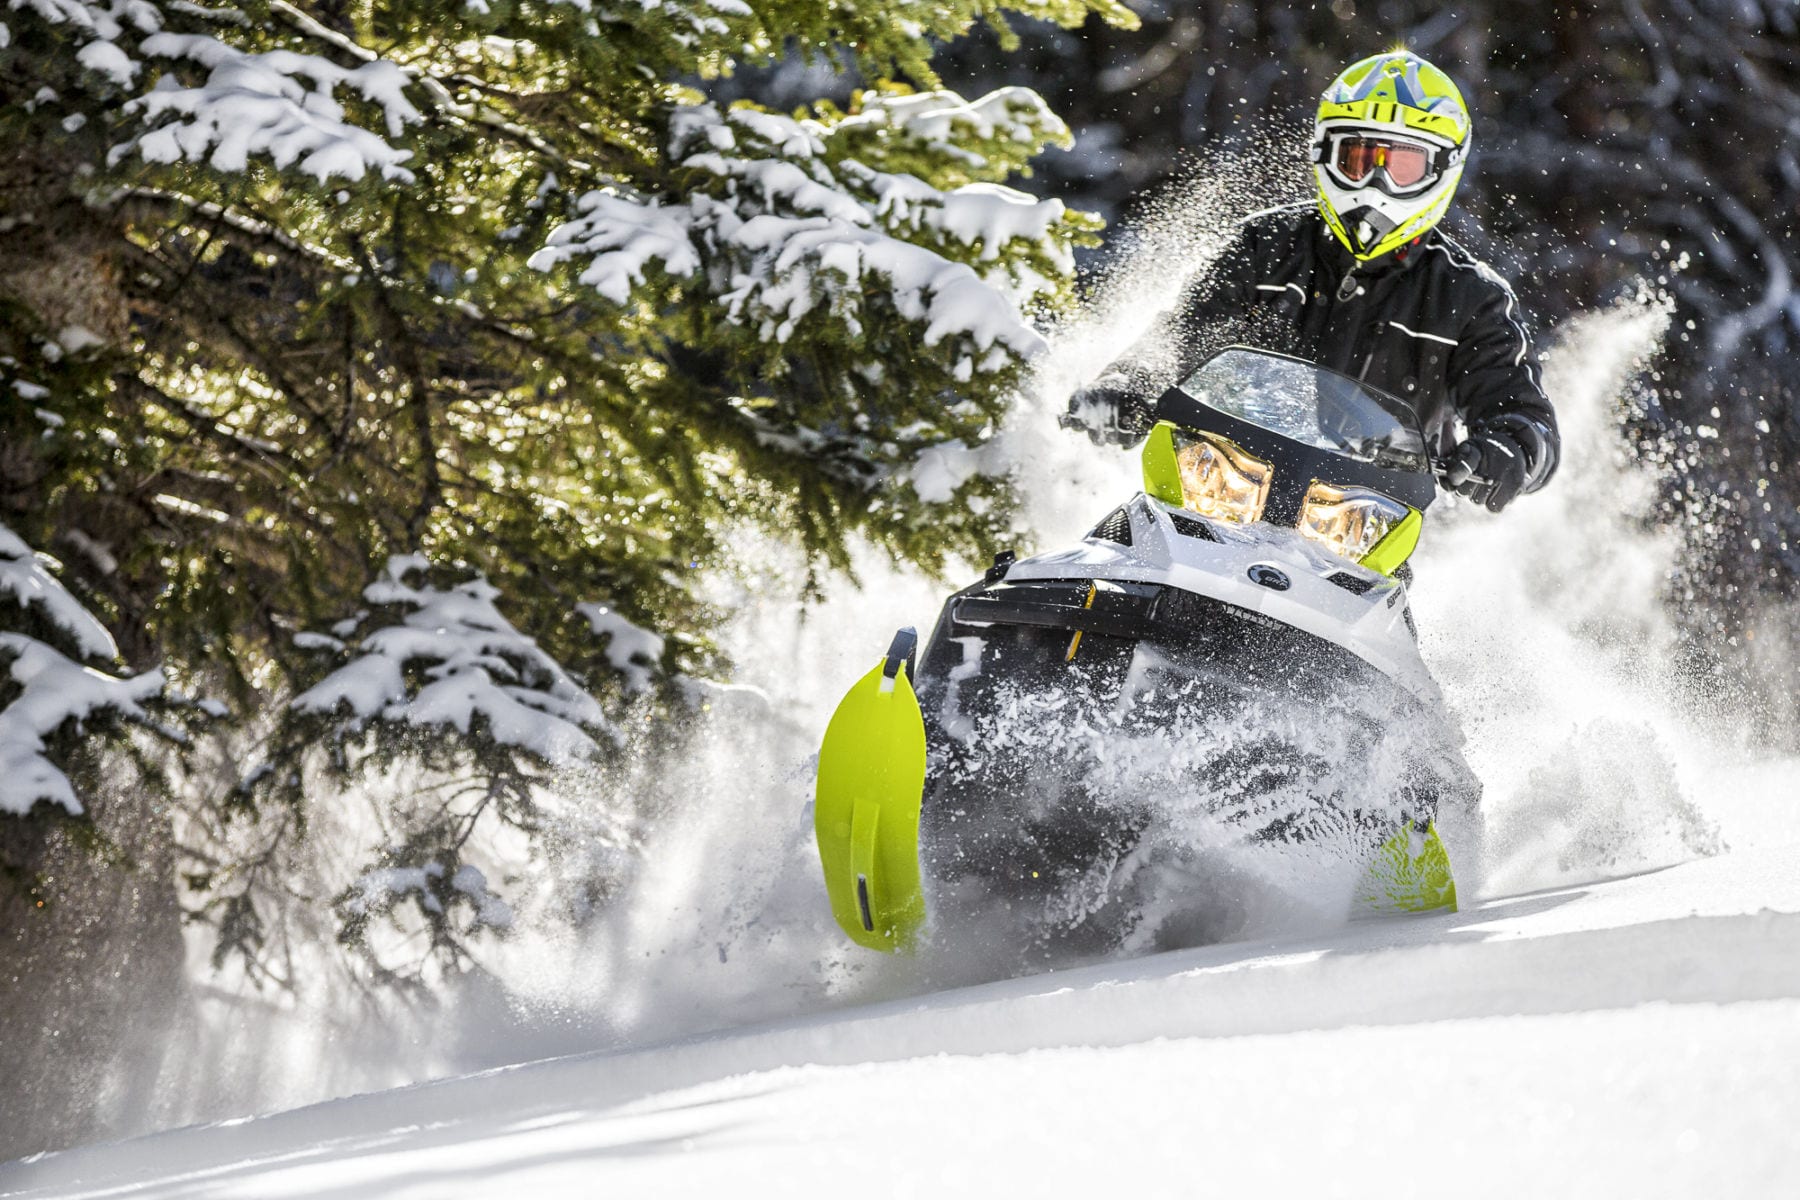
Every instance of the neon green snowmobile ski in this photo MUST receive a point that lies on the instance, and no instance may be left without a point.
(1410, 873)
(866, 808)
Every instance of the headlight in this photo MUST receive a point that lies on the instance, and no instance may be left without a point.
(1348, 521)
(1220, 481)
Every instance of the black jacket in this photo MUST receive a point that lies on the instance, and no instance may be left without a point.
(1430, 324)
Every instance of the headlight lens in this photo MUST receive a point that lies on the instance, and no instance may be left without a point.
(1348, 521)
(1219, 480)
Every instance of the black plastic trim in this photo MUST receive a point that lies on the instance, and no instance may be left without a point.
(984, 610)
(903, 649)
(1189, 527)
(1114, 527)
(1351, 583)
(1296, 465)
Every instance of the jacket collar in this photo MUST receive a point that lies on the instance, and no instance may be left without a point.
(1342, 262)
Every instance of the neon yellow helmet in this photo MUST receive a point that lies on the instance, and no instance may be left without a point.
(1388, 151)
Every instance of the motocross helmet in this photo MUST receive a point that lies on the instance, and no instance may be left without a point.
(1388, 150)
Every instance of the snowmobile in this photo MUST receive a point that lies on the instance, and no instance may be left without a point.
(1265, 557)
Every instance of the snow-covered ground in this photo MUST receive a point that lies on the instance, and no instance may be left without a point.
(1637, 1037)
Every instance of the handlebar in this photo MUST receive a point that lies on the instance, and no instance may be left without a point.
(1460, 473)
(1460, 470)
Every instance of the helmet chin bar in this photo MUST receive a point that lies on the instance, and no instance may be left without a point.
(1369, 223)
(1368, 226)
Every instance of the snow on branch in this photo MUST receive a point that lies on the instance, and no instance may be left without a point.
(379, 890)
(25, 578)
(783, 226)
(56, 692)
(262, 104)
(103, 20)
(1011, 125)
(695, 18)
(474, 663)
(807, 264)
(619, 239)
(987, 217)
(632, 650)
(281, 104)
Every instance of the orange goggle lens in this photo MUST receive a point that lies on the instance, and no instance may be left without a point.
(1407, 163)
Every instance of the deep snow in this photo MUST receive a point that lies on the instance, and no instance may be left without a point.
(1638, 1037)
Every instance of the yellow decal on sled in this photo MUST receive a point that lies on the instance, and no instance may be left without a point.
(1075, 642)
(1392, 551)
(1162, 473)
(866, 811)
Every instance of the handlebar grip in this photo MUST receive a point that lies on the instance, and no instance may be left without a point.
(1461, 469)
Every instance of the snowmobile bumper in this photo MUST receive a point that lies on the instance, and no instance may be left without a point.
(1019, 632)
(1033, 629)
(866, 808)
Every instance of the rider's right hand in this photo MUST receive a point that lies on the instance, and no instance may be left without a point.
(1109, 412)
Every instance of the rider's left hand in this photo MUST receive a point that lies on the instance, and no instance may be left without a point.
(1110, 412)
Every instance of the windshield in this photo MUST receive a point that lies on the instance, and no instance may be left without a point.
(1311, 405)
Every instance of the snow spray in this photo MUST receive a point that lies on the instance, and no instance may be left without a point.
(1544, 626)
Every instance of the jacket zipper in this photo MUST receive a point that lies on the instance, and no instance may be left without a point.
(1345, 293)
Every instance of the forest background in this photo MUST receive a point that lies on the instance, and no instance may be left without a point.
(377, 380)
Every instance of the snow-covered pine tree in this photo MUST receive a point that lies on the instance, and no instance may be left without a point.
(438, 726)
(294, 287)
(90, 928)
(312, 284)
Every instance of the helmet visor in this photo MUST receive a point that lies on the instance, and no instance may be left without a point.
(1356, 158)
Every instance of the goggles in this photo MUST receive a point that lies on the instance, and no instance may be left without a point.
(1398, 166)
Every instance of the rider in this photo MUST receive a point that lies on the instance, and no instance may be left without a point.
(1364, 283)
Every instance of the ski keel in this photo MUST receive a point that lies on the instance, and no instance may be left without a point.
(866, 808)
(1410, 873)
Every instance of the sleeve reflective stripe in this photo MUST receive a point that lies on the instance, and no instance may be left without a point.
(1511, 300)
(1282, 287)
(1430, 337)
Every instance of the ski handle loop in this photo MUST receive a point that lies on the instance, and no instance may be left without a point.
(902, 651)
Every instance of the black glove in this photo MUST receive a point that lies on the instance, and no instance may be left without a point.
(1110, 412)
(1502, 459)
